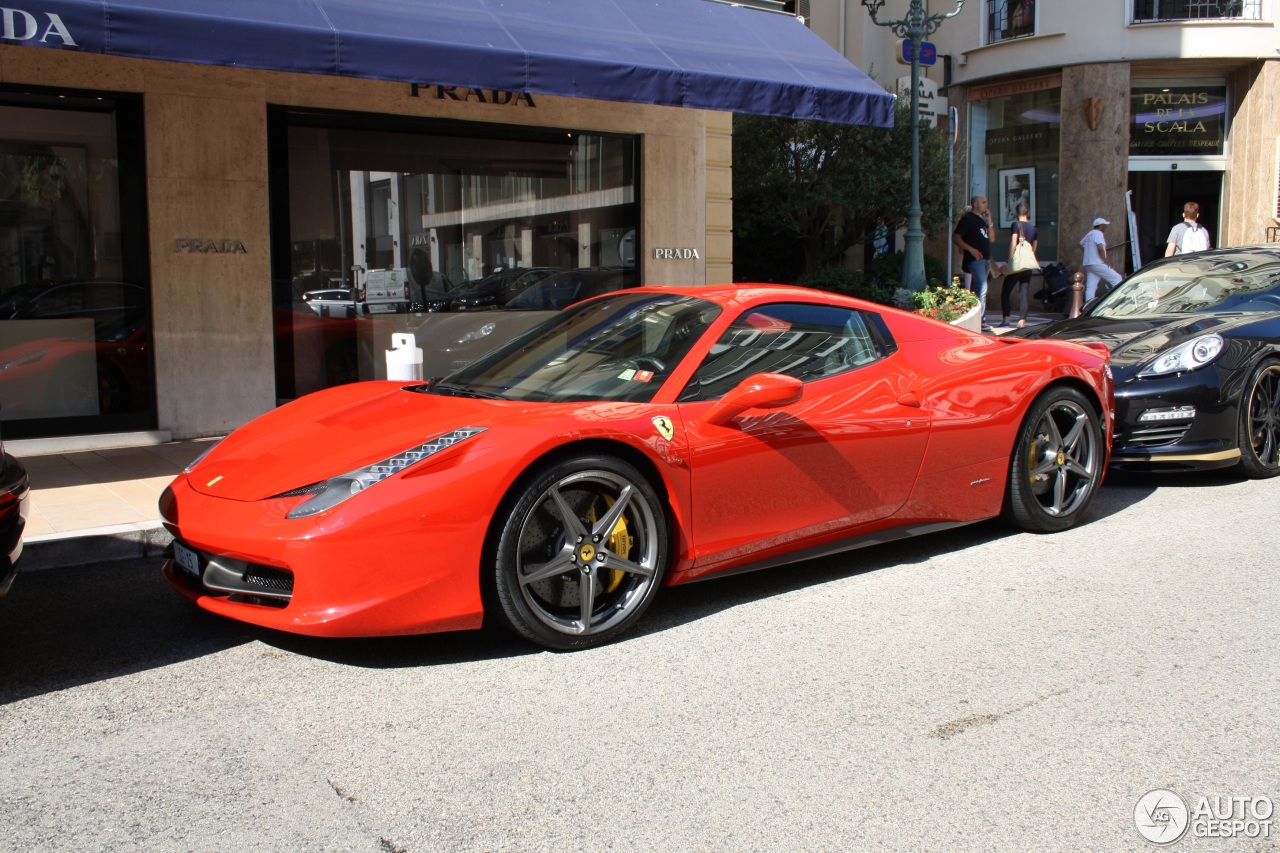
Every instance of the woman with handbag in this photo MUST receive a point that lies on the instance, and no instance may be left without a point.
(1022, 264)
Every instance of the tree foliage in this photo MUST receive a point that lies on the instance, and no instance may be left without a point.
(804, 192)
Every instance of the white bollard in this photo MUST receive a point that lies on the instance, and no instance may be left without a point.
(404, 359)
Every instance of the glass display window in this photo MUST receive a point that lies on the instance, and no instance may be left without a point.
(380, 224)
(75, 353)
(1013, 161)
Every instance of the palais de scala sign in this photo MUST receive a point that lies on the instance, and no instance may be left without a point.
(1177, 121)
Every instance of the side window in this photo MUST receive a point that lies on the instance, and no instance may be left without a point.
(805, 341)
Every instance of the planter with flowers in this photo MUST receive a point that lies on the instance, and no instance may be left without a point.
(953, 304)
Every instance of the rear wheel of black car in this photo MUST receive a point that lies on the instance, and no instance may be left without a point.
(581, 553)
(1057, 463)
(1260, 423)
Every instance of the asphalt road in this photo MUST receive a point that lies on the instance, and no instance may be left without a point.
(978, 690)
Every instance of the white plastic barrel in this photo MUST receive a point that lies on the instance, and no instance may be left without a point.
(404, 359)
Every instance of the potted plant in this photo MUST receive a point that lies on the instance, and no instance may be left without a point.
(952, 304)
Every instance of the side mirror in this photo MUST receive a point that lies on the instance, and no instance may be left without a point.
(761, 391)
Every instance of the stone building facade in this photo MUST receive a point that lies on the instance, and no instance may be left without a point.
(1098, 108)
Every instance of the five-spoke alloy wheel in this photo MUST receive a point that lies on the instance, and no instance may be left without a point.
(1260, 423)
(581, 553)
(1057, 464)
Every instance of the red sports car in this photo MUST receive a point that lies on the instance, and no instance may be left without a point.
(643, 438)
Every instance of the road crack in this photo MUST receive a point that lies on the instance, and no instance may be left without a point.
(946, 731)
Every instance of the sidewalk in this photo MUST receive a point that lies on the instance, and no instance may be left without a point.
(91, 505)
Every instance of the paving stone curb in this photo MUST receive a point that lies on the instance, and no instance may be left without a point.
(102, 544)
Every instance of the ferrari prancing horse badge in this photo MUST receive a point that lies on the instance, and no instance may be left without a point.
(665, 428)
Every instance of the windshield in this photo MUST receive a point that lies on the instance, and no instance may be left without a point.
(614, 348)
(1234, 283)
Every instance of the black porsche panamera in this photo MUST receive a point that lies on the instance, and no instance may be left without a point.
(1195, 350)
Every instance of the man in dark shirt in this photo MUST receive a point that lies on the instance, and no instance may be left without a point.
(973, 238)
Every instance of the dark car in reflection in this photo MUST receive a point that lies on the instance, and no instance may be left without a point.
(452, 340)
(1195, 349)
(15, 504)
(496, 289)
(101, 301)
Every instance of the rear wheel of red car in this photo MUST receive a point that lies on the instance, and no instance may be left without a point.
(1260, 423)
(581, 554)
(1057, 463)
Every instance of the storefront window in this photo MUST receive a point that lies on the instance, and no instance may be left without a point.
(1014, 161)
(75, 352)
(375, 228)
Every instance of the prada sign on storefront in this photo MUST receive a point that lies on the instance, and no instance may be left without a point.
(21, 25)
(479, 96)
(671, 254)
(202, 246)
(1177, 120)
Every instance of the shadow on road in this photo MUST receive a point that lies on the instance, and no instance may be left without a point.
(682, 604)
(696, 601)
(60, 628)
(64, 627)
(1179, 480)
(489, 643)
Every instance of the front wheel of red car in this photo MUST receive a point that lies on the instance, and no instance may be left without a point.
(1057, 463)
(581, 553)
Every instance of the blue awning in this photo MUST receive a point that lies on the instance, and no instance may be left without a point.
(683, 53)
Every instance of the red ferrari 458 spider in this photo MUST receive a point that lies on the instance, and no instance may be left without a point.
(643, 438)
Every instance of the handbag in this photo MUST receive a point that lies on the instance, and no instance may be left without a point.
(1024, 257)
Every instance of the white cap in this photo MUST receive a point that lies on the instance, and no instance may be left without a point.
(1100, 221)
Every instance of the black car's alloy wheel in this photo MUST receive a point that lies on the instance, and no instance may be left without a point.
(581, 553)
(1260, 423)
(1057, 462)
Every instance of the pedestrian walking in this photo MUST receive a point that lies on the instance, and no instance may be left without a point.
(1188, 235)
(973, 238)
(1022, 264)
(1095, 259)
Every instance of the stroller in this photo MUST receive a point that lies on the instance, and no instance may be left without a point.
(1056, 294)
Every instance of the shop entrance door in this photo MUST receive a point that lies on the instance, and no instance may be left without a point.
(1157, 202)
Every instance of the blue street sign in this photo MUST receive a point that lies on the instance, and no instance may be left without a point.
(928, 52)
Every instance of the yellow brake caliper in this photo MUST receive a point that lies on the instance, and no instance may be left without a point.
(620, 543)
(1033, 461)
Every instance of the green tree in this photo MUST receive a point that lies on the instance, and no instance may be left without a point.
(804, 192)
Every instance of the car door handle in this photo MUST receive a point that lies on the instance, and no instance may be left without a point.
(909, 399)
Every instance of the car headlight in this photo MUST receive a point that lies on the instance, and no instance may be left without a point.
(476, 334)
(335, 490)
(1192, 355)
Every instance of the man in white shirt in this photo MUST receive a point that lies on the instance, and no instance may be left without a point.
(1095, 259)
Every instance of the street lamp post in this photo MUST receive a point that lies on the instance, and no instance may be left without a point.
(915, 28)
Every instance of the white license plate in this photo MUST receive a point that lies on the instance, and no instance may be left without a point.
(380, 309)
(186, 559)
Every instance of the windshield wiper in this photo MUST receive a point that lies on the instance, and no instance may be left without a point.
(456, 389)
